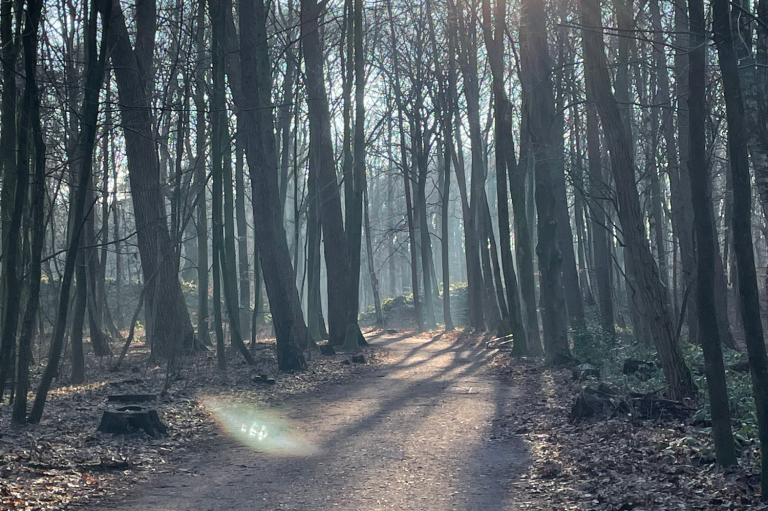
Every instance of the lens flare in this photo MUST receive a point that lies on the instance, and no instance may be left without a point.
(258, 429)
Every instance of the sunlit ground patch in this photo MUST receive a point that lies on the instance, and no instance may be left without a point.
(258, 429)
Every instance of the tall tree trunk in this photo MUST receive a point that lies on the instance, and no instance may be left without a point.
(242, 239)
(742, 226)
(705, 240)
(335, 243)
(540, 105)
(30, 43)
(78, 319)
(406, 178)
(600, 232)
(467, 53)
(371, 263)
(505, 156)
(354, 220)
(171, 328)
(200, 180)
(219, 144)
(420, 158)
(261, 152)
(9, 202)
(682, 209)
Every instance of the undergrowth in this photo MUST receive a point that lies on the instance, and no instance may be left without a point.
(595, 346)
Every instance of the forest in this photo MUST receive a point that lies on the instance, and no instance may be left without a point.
(383, 254)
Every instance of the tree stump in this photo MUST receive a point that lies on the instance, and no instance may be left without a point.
(132, 419)
(131, 398)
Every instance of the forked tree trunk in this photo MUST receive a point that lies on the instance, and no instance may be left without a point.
(540, 105)
(261, 152)
(334, 237)
(171, 328)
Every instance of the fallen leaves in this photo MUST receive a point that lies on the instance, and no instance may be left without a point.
(63, 462)
(616, 464)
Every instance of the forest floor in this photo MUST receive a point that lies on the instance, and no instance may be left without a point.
(430, 422)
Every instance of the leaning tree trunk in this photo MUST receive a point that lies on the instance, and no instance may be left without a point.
(643, 273)
(87, 138)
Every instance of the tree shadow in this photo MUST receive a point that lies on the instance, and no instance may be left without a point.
(400, 441)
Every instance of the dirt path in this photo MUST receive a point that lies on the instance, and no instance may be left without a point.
(415, 434)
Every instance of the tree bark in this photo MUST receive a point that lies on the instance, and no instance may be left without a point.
(701, 194)
(650, 294)
(261, 153)
(537, 87)
(171, 328)
(742, 228)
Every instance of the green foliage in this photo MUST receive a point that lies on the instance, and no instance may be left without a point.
(593, 345)
(741, 402)
(596, 348)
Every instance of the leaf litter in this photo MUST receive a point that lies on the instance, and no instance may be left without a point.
(618, 464)
(64, 463)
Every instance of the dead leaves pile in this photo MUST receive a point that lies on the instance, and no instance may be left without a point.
(64, 463)
(616, 464)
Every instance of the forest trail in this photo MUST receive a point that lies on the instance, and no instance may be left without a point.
(417, 433)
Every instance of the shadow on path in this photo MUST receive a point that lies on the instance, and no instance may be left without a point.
(418, 434)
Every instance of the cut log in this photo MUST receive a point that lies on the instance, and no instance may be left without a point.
(604, 403)
(132, 419)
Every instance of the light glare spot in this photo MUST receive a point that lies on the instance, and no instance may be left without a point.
(258, 429)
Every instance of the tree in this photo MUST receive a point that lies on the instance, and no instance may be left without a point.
(742, 230)
(87, 138)
(705, 271)
(535, 73)
(505, 157)
(170, 326)
(642, 272)
(261, 153)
